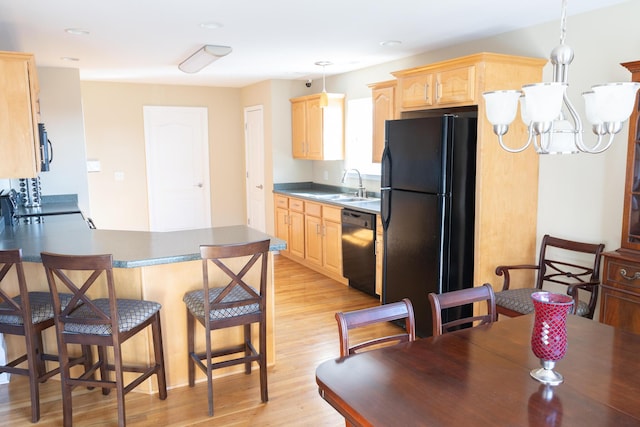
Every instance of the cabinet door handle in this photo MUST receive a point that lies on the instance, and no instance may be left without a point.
(426, 92)
(438, 95)
(635, 276)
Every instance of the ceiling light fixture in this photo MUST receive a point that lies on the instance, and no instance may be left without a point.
(210, 25)
(390, 43)
(76, 31)
(203, 57)
(607, 107)
(324, 98)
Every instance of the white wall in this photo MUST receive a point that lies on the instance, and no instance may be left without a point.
(61, 112)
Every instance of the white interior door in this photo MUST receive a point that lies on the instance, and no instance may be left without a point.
(177, 144)
(254, 148)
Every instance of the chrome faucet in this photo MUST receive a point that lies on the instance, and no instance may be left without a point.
(362, 192)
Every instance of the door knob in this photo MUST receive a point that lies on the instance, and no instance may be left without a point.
(259, 187)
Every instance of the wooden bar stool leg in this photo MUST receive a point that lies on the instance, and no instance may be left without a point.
(119, 374)
(190, 348)
(67, 414)
(263, 362)
(247, 347)
(158, 355)
(209, 372)
(104, 372)
(35, 364)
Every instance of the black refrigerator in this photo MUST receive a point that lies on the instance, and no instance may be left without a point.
(427, 211)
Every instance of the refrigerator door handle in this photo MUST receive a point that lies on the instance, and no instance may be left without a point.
(385, 205)
(386, 168)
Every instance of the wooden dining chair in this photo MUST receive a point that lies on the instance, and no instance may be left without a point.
(554, 268)
(28, 314)
(347, 321)
(446, 300)
(102, 321)
(234, 288)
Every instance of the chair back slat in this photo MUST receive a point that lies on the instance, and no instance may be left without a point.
(401, 310)
(440, 302)
(560, 271)
(95, 275)
(12, 259)
(222, 257)
(574, 265)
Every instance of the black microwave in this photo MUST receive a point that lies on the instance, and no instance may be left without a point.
(46, 149)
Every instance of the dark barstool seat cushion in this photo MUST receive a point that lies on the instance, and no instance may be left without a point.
(131, 313)
(195, 303)
(519, 300)
(41, 308)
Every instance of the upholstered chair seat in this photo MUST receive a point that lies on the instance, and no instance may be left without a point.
(519, 300)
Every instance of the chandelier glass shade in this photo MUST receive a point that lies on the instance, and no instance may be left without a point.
(554, 126)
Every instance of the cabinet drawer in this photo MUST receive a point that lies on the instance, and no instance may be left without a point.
(313, 209)
(296, 205)
(620, 308)
(331, 213)
(282, 202)
(620, 274)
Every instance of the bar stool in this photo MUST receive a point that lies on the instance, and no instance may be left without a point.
(234, 303)
(104, 322)
(27, 315)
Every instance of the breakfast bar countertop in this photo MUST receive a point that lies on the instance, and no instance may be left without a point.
(154, 266)
(130, 249)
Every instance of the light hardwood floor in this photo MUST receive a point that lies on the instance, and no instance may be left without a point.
(306, 335)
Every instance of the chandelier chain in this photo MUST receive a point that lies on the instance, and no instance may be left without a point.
(563, 22)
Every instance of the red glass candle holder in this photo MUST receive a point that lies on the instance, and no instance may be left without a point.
(549, 336)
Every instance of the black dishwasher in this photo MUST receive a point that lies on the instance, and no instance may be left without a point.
(358, 250)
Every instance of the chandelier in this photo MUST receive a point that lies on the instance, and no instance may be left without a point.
(545, 108)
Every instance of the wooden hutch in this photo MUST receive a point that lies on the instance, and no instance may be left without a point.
(620, 301)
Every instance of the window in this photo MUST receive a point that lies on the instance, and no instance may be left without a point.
(358, 150)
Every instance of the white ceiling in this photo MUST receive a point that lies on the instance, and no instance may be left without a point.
(145, 40)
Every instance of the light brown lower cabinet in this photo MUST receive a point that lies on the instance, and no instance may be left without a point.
(313, 232)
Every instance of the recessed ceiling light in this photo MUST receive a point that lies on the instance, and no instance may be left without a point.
(389, 43)
(324, 63)
(76, 31)
(70, 59)
(211, 25)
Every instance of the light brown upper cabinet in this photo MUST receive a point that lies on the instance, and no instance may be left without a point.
(19, 140)
(450, 83)
(317, 133)
(383, 96)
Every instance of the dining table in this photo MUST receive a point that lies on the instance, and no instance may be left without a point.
(480, 376)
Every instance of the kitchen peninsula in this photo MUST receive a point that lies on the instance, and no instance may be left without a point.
(157, 266)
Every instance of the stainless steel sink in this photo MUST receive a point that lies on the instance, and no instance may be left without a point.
(347, 199)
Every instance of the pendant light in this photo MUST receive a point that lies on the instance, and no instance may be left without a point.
(544, 108)
(324, 98)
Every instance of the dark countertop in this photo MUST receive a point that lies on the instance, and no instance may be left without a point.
(315, 193)
(130, 249)
(48, 209)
